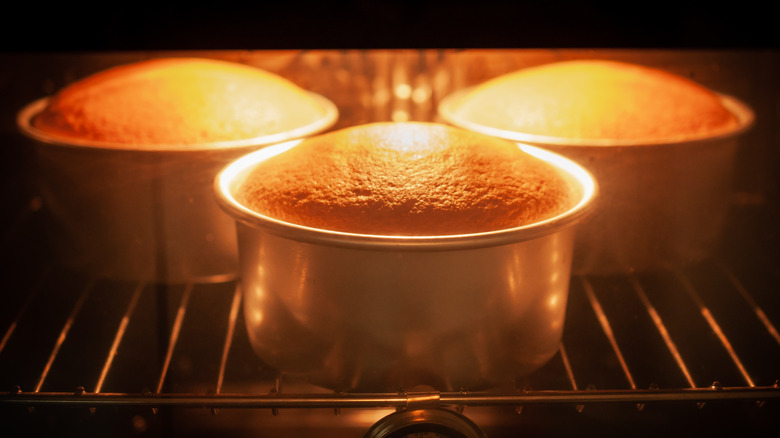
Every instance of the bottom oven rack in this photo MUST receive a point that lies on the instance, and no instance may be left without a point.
(701, 336)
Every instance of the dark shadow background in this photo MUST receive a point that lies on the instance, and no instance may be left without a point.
(288, 24)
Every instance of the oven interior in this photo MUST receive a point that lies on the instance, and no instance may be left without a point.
(692, 349)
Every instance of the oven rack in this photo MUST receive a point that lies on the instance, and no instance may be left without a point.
(276, 399)
(701, 338)
(683, 314)
(403, 400)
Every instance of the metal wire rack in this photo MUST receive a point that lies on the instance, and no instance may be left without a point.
(697, 335)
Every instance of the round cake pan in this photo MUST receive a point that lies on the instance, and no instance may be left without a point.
(661, 204)
(128, 213)
(373, 312)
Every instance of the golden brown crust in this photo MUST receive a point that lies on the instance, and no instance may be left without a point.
(177, 101)
(594, 99)
(406, 179)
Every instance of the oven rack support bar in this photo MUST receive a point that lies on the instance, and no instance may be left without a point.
(276, 401)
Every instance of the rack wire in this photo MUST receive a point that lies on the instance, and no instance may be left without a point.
(50, 325)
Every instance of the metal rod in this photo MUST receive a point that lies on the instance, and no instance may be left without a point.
(234, 307)
(567, 366)
(605, 326)
(174, 338)
(705, 312)
(659, 324)
(23, 310)
(120, 333)
(756, 308)
(64, 332)
(274, 401)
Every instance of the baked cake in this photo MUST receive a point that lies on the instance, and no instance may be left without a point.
(177, 101)
(595, 99)
(406, 179)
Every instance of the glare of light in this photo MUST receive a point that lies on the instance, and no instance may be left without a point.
(303, 278)
(584, 178)
(413, 138)
(367, 417)
(235, 173)
(258, 292)
(403, 91)
(254, 312)
(421, 94)
(256, 317)
(511, 280)
(400, 116)
(553, 301)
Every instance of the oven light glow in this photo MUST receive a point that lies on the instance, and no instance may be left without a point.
(368, 417)
(403, 91)
(256, 316)
(511, 280)
(229, 176)
(514, 280)
(421, 94)
(258, 292)
(400, 116)
(582, 176)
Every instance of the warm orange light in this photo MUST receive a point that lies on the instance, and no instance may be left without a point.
(181, 101)
(592, 100)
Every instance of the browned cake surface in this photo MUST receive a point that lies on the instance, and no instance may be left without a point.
(594, 99)
(177, 101)
(406, 179)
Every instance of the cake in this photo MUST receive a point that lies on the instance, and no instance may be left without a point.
(595, 99)
(417, 179)
(177, 101)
